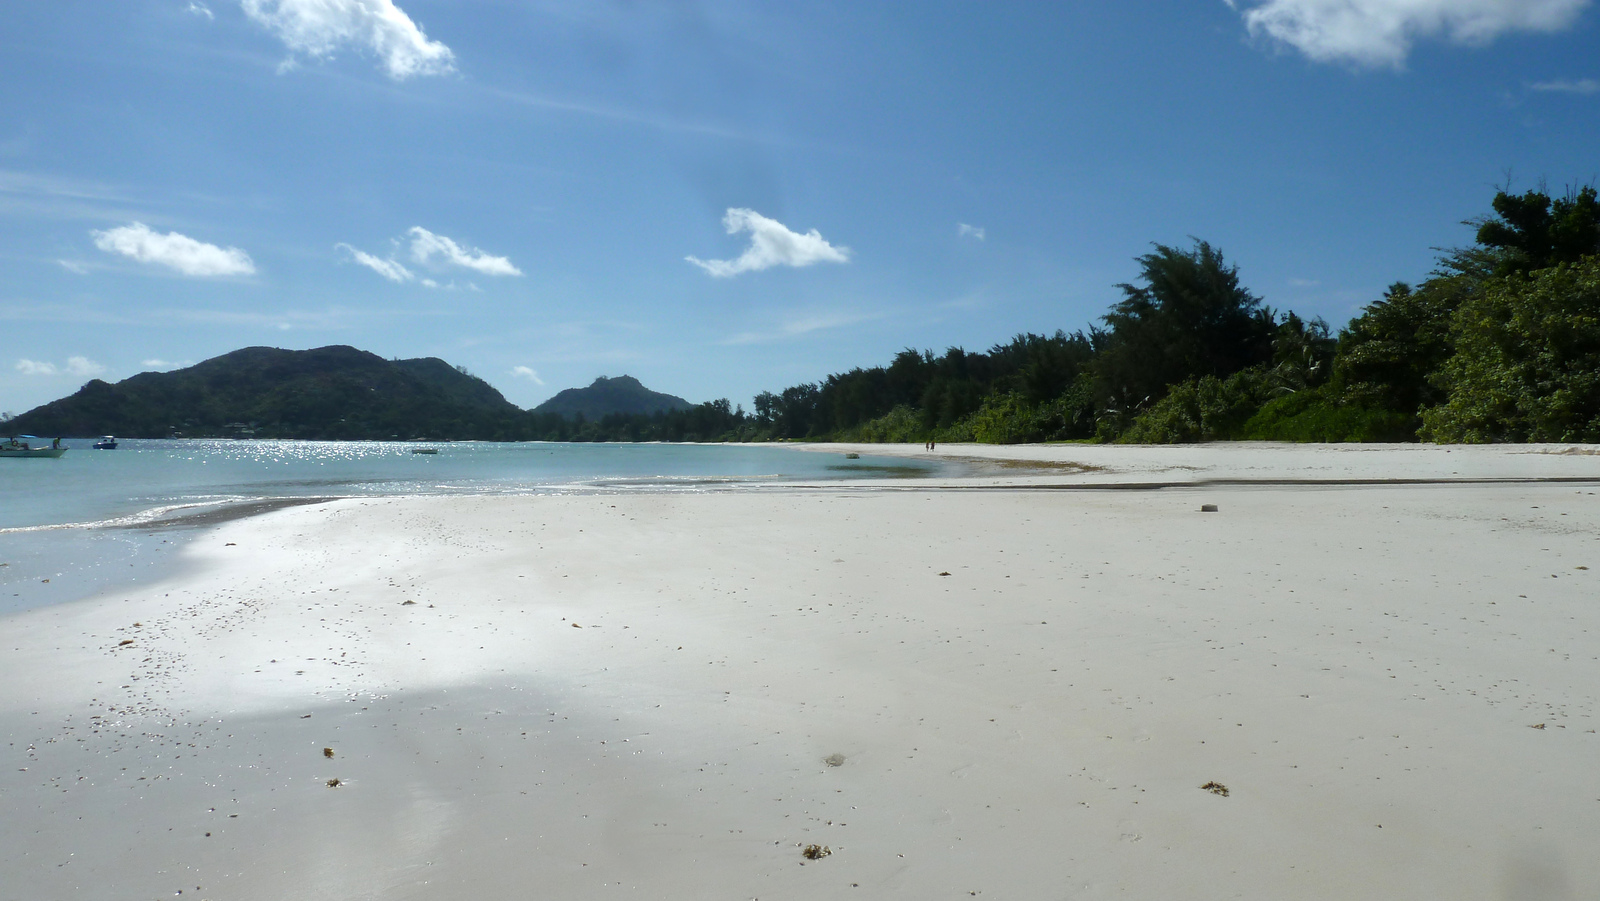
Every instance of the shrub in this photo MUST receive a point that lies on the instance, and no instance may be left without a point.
(1527, 361)
(1204, 409)
(1323, 414)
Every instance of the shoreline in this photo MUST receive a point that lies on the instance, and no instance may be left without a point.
(1395, 683)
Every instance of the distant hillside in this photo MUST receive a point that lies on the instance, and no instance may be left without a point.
(333, 392)
(622, 394)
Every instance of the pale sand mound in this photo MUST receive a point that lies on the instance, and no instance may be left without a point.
(758, 672)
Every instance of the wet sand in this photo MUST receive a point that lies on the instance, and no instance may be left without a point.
(1024, 691)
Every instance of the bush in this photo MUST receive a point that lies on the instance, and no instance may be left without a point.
(1322, 414)
(902, 425)
(1010, 419)
(1204, 409)
(1527, 361)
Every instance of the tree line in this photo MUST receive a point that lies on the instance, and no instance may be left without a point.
(1500, 343)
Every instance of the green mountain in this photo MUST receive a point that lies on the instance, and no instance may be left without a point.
(333, 392)
(605, 397)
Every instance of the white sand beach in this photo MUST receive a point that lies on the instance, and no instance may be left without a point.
(1012, 685)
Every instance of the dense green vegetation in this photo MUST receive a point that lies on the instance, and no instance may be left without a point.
(1501, 343)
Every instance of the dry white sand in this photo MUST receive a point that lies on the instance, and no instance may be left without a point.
(1396, 683)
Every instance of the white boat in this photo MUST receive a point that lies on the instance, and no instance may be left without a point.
(29, 446)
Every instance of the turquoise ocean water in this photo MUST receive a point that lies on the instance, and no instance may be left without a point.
(96, 519)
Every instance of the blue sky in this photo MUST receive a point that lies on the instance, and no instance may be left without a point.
(725, 198)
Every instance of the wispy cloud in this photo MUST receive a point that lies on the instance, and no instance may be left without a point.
(771, 244)
(333, 318)
(964, 230)
(632, 117)
(319, 28)
(524, 372)
(1564, 86)
(159, 363)
(330, 319)
(389, 269)
(972, 300)
(33, 195)
(436, 251)
(200, 9)
(450, 286)
(802, 325)
(77, 366)
(1380, 33)
(14, 182)
(74, 266)
(179, 252)
(427, 246)
(70, 313)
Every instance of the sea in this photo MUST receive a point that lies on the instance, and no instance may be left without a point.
(94, 520)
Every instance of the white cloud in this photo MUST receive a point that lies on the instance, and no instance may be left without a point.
(34, 367)
(434, 250)
(389, 269)
(83, 366)
(173, 250)
(74, 267)
(427, 246)
(164, 364)
(771, 244)
(523, 372)
(318, 28)
(1563, 86)
(969, 231)
(200, 9)
(1379, 33)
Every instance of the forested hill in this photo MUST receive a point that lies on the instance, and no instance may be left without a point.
(333, 392)
(607, 396)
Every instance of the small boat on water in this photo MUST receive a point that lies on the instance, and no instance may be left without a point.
(106, 442)
(30, 446)
(424, 450)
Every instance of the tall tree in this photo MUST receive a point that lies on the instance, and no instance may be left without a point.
(1189, 318)
(1388, 354)
(1533, 231)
